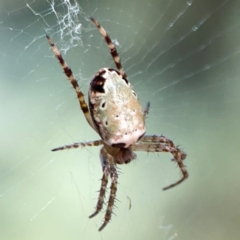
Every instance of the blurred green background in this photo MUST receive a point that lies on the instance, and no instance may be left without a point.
(182, 56)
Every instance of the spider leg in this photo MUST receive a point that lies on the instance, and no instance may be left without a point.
(113, 50)
(112, 197)
(108, 169)
(157, 139)
(105, 168)
(163, 144)
(79, 144)
(73, 81)
(146, 110)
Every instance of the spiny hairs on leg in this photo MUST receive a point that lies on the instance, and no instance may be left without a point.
(109, 168)
(113, 50)
(179, 156)
(102, 193)
(156, 143)
(73, 81)
(110, 204)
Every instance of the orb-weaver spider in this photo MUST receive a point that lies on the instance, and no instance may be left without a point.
(115, 113)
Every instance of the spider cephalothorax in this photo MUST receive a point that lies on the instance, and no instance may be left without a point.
(115, 113)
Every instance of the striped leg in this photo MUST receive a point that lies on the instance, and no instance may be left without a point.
(155, 141)
(162, 144)
(73, 81)
(113, 50)
(112, 197)
(108, 169)
(80, 144)
(105, 168)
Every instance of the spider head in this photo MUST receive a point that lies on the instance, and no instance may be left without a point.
(125, 155)
(121, 155)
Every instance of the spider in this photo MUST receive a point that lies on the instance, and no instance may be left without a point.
(115, 113)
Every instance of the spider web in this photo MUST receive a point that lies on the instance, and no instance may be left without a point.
(182, 56)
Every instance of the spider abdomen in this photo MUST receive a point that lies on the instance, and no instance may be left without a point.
(115, 109)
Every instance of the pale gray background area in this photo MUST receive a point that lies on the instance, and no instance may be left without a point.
(182, 56)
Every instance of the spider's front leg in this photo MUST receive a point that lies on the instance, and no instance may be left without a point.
(102, 191)
(109, 168)
(114, 177)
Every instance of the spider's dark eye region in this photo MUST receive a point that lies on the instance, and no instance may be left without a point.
(97, 84)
